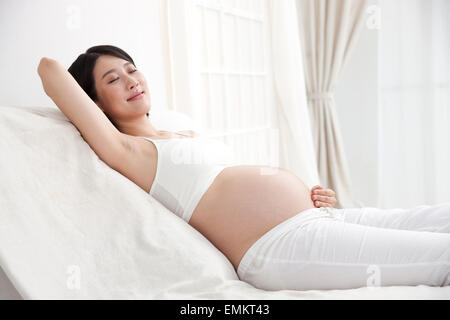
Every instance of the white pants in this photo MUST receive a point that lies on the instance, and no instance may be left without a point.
(328, 248)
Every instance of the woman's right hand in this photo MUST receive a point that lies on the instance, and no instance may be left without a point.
(323, 197)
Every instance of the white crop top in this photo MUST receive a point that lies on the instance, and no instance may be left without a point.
(186, 168)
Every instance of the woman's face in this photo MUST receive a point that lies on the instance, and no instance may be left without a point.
(116, 80)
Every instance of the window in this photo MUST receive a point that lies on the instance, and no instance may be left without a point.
(229, 71)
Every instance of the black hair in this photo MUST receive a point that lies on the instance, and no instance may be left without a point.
(82, 69)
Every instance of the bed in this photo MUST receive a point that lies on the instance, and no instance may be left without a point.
(73, 228)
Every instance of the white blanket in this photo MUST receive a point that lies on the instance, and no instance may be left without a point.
(73, 228)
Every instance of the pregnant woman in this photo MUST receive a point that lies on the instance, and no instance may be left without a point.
(276, 232)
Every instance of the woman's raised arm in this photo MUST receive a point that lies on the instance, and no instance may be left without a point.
(95, 128)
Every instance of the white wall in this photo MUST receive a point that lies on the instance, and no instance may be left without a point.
(357, 108)
(63, 29)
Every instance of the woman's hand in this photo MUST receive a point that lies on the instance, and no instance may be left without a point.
(323, 197)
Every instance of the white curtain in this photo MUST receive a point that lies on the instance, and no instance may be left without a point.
(329, 29)
(296, 144)
(294, 138)
(415, 102)
(176, 43)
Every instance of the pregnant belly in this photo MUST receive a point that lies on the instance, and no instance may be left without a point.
(245, 202)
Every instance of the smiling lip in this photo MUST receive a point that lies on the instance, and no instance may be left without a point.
(137, 97)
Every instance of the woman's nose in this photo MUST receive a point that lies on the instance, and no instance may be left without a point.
(133, 83)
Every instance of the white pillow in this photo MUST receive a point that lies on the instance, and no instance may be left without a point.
(169, 120)
(161, 119)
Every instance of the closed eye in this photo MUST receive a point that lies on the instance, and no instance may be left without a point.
(132, 71)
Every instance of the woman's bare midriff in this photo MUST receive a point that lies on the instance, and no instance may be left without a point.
(245, 202)
(242, 204)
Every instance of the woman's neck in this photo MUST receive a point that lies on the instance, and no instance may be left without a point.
(140, 127)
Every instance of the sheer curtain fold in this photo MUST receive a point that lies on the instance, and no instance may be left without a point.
(328, 31)
(296, 143)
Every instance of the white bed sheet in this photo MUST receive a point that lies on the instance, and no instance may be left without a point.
(66, 218)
